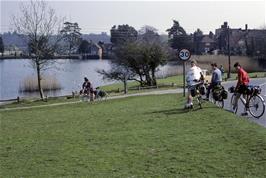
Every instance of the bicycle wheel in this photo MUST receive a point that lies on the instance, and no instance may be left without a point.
(199, 99)
(233, 107)
(219, 103)
(256, 106)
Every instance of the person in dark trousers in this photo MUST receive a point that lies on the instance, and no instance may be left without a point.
(242, 84)
(87, 88)
(216, 79)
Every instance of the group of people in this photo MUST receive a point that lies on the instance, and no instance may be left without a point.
(88, 91)
(195, 75)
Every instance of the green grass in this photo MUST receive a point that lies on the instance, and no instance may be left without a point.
(37, 102)
(176, 80)
(150, 136)
(168, 81)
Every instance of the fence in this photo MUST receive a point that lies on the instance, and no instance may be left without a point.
(19, 99)
(9, 100)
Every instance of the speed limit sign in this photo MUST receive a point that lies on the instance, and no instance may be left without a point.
(184, 54)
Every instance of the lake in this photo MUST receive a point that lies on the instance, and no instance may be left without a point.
(69, 73)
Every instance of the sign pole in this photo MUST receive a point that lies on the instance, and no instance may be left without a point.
(184, 79)
(184, 55)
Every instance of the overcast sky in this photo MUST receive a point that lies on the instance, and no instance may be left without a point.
(100, 16)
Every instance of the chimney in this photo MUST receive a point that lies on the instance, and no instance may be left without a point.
(246, 27)
(225, 24)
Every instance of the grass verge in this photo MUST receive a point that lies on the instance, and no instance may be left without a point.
(177, 81)
(150, 136)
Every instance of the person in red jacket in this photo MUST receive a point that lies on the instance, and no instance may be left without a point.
(242, 84)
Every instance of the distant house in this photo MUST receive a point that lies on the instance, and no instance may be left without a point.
(94, 51)
(256, 42)
(241, 41)
(204, 44)
(207, 44)
(107, 50)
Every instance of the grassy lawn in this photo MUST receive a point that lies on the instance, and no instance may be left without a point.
(176, 80)
(38, 102)
(149, 136)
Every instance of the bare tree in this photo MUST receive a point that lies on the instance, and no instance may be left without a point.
(40, 26)
(118, 73)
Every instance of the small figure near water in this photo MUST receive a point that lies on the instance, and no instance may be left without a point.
(87, 90)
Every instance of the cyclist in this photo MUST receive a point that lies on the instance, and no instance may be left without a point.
(194, 75)
(242, 84)
(216, 79)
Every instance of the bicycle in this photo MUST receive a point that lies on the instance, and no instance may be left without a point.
(255, 103)
(217, 95)
(100, 94)
(196, 93)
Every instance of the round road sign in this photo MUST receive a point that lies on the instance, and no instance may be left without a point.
(184, 54)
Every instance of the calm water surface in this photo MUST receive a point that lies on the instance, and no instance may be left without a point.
(69, 73)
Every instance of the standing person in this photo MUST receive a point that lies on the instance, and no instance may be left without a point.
(242, 84)
(222, 70)
(194, 75)
(216, 79)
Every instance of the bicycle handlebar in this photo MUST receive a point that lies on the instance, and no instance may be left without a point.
(196, 84)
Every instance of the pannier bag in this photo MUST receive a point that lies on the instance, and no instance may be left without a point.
(224, 94)
(193, 92)
(217, 92)
(202, 90)
(253, 90)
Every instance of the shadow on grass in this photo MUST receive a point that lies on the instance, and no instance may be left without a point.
(176, 111)
(171, 111)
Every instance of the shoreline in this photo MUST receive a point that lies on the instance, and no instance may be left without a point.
(74, 94)
(73, 57)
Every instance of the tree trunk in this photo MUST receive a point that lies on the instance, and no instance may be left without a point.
(148, 78)
(154, 82)
(39, 81)
(141, 79)
(125, 85)
(69, 51)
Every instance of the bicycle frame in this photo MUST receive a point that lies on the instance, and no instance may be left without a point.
(249, 104)
(198, 96)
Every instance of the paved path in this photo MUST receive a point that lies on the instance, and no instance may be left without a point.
(261, 81)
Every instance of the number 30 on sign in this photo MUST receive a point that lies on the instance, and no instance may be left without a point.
(184, 54)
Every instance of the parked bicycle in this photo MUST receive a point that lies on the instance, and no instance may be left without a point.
(100, 94)
(217, 95)
(255, 103)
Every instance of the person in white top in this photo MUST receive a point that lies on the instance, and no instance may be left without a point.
(194, 75)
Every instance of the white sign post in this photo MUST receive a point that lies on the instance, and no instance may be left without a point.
(184, 55)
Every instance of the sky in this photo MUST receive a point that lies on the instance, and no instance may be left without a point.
(100, 16)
